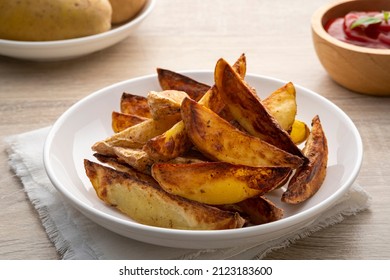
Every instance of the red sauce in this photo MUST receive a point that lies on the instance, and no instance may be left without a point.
(375, 35)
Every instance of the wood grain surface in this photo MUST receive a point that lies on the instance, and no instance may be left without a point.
(194, 34)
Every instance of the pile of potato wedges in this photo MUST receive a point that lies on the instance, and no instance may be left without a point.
(203, 157)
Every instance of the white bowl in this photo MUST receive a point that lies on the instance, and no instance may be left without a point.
(72, 48)
(89, 121)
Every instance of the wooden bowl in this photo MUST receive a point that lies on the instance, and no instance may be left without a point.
(360, 69)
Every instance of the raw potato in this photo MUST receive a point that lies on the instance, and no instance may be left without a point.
(47, 20)
(146, 203)
(124, 10)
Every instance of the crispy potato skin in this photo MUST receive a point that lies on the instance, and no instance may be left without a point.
(134, 136)
(134, 105)
(148, 204)
(171, 144)
(248, 110)
(217, 182)
(220, 141)
(121, 121)
(170, 80)
(299, 132)
(308, 179)
(256, 210)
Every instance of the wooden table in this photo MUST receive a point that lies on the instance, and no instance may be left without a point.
(179, 35)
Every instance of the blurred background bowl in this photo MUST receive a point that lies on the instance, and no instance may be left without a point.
(73, 48)
(360, 69)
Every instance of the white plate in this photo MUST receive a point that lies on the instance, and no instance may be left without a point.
(89, 121)
(72, 48)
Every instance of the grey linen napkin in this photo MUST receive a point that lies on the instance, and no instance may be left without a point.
(76, 237)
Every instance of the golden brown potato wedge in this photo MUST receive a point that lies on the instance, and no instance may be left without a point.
(136, 158)
(175, 142)
(171, 144)
(217, 183)
(121, 121)
(148, 204)
(122, 166)
(247, 109)
(256, 210)
(282, 105)
(219, 140)
(260, 210)
(165, 103)
(308, 179)
(170, 80)
(134, 105)
(134, 136)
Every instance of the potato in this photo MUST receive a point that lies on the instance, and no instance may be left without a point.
(134, 136)
(282, 105)
(163, 104)
(219, 140)
(124, 10)
(134, 105)
(148, 204)
(299, 132)
(170, 80)
(136, 158)
(259, 210)
(217, 182)
(171, 144)
(121, 121)
(174, 141)
(122, 166)
(248, 111)
(46, 20)
(308, 179)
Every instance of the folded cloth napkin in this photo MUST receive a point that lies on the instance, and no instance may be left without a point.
(76, 237)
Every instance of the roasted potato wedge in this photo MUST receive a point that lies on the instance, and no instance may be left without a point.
(256, 210)
(134, 105)
(165, 103)
(260, 210)
(217, 183)
(170, 80)
(134, 136)
(148, 204)
(172, 143)
(136, 158)
(308, 179)
(248, 110)
(175, 142)
(121, 121)
(282, 105)
(219, 140)
(122, 166)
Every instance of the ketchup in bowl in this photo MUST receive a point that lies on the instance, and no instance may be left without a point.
(366, 29)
